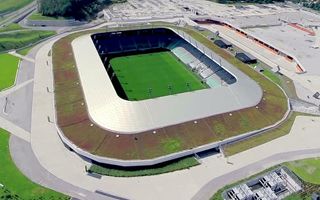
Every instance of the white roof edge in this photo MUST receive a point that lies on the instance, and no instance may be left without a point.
(110, 112)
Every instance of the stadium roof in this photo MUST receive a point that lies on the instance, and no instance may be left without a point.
(111, 112)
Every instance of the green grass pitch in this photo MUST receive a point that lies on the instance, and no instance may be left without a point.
(153, 75)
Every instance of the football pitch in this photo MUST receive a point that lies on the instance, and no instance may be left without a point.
(153, 75)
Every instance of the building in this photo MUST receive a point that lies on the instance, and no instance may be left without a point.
(222, 43)
(246, 58)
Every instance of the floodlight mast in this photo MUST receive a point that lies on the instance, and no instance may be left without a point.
(188, 85)
(150, 92)
(170, 88)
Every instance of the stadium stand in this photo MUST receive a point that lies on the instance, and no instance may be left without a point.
(110, 45)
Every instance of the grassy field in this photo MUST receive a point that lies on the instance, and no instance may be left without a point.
(16, 185)
(254, 141)
(7, 6)
(25, 51)
(17, 40)
(184, 163)
(307, 169)
(11, 27)
(8, 69)
(39, 16)
(154, 75)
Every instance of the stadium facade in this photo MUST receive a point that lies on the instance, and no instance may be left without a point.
(106, 127)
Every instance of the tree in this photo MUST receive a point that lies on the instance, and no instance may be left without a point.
(78, 9)
(54, 7)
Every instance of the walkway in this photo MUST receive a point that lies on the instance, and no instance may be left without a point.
(14, 53)
(179, 185)
(15, 130)
(15, 88)
(308, 81)
(66, 166)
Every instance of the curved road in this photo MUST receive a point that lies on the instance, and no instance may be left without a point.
(47, 162)
(18, 121)
(215, 184)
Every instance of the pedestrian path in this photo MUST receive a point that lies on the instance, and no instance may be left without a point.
(14, 53)
(14, 88)
(14, 129)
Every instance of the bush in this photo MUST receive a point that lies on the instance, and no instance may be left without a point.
(77, 9)
(184, 163)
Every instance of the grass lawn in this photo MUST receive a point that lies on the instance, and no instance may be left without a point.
(273, 76)
(39, 16)
(157, 72)
(15, 183)
(307, 169)
(11, 27)
(8, 69)
(7, 6)
(20, 39)
(184, 163)
(25, 51)
(257, 140)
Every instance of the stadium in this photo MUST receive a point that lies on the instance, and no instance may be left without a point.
(146, 96)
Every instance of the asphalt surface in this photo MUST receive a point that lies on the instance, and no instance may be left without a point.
(26, 161)
(17, 105)
(17, 15)
(19, 108)
(215, 184)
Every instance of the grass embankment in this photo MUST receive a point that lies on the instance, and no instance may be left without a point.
(8, 69)
(11, 27)
(16, 40)
(308, 169)
(257, 140)
(7, 6)
(25, 51)
(16, 185)
(154, 75)
(75, 123)
(184, 163)
(270, 110)
(40, 17)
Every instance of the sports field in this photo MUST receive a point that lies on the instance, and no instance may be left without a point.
(153, 75)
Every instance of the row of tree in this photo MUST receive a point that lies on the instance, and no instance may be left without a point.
(77, 9)
(313, 5)
(248, 1)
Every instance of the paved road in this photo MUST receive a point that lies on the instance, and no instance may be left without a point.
(215, 184)
(16, 102)
(18, 122)
(17, 15)
(49, 153)
(25, 160)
